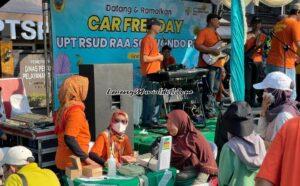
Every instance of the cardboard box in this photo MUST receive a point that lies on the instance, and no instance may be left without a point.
(92, 171)
(73, 173)
(76, 162)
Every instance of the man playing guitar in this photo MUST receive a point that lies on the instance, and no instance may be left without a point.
(206, 39)
(254, 71)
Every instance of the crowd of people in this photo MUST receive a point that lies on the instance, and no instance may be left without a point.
(252, 154)
(246, 149)
(244, 158)
(249, 153)
(260, 58)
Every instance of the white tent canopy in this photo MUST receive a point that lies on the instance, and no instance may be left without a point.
(22, 10)
(227, 3)
(271, 3)
(276, 3)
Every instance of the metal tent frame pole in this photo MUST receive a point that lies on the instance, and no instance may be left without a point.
(48, 89)
(51, 55)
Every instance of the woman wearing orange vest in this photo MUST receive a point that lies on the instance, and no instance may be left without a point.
(113, 141)
(71, 125)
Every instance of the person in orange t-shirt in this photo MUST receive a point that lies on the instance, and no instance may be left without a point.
(150, 60)
(281, 165)
(113, 141)
(287, 30)
(254, 71)
(71, 126)
(168, 59)
(206, 39)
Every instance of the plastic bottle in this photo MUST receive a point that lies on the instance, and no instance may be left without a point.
(111, 166)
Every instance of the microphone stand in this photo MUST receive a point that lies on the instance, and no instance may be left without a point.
(285, 47)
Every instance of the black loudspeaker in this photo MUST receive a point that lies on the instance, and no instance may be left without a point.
(100, 105)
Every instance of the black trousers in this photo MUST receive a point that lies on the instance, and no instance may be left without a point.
(254, 73)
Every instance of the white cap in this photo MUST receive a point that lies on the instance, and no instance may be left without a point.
(17, 155)
(275, 80)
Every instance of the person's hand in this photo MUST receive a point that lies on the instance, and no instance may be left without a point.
(224, 44)
(128, 159)
(118, 165)
(265, 104)
(90, 162)
(160, 57)
(216, 52)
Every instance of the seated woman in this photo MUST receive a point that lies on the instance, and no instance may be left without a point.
(277, 105)
(243, 154)
(113, 140)
(191, 153)
(71, 125)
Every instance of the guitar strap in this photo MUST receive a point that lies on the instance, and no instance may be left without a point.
(219, 37)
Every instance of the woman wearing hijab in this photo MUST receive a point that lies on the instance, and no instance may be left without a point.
(243, 154)
(277, 106)
(191, 153)
(71, 125)
(113, 141)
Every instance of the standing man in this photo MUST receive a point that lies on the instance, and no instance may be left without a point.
(207, 38)
(254, 71)
(150, 60)
(287, 30)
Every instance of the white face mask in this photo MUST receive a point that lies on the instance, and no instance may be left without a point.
(120, 127)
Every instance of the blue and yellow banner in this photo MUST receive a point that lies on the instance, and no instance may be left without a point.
(91, 32)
